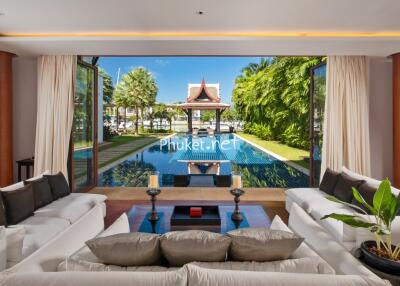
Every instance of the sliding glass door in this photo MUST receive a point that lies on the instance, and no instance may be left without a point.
(83, 154)
(317, 106)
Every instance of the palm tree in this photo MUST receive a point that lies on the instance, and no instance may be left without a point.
(139, 90)
(160, 111)
(171, 114)
(121, 100)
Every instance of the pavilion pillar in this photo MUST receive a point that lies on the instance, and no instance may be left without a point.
(6, 151)
(190, 120)
(396, 120)
(218, 121)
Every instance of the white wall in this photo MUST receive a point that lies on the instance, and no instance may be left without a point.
(24, 109)
(381, 131)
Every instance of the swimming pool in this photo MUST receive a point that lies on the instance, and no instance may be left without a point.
(179, 153)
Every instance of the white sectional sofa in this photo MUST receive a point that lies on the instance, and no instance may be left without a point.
(313, 201)
(56, 230)
(349, 272)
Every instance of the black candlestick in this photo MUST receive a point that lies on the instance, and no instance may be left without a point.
(153, 217)
(237, 216)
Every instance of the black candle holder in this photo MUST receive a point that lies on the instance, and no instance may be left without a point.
(153, 217)
(237, 216)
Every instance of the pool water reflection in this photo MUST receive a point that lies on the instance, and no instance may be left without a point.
(171, 157)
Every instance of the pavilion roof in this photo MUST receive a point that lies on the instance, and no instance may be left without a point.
(203, 97)
(203, 93)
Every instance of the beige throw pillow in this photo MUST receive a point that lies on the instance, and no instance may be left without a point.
(181, 247)
(262, 244)
(127, 249)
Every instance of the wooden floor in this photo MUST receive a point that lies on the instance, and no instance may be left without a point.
(121, 199)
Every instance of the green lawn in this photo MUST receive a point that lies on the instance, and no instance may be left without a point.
(124, 145)
(294, 155)
(123, 139)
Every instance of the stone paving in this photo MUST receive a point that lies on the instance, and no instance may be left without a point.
(111, 153)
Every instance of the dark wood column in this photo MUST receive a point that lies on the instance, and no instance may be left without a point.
(190, 120)
(6, 151)
(217, 121)
(396, 120)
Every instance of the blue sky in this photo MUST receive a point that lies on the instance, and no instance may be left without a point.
(173, 74)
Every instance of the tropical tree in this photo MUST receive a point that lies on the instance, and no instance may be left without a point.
(121, 100)
(108, 87)
(137, 90)
(170, 115)
(273, 98)
(207, 115)
(160, 111)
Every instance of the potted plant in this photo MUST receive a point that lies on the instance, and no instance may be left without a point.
(380, 253)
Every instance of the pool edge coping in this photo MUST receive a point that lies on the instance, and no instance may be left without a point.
(282, 159)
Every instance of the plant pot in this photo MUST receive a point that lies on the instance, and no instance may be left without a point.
(377, 262)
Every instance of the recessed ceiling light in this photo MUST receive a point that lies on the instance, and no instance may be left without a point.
(200, 12)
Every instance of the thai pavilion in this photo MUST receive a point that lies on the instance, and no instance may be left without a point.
(204, 97)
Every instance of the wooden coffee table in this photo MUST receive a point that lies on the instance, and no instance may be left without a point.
(255, 216)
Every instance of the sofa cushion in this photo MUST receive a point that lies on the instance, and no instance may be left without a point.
(367, 192)
(14, 243)
(164, 278)
(39, 230)
(327, 248)
(18, 204)
(329, 181)
(82, 265)
(262, 244)
(71, 207)
(305, 197)
(120, 225)
(181, 247)
(339, 230)
(41, 192)
(127, 249)
(198, 276)
(343, 188)
(59, 185)
(299, 265)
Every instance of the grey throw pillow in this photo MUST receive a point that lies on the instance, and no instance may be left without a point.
(181, 247)
(344, 187)
(262, 244)
(329, 181)
(127, 249)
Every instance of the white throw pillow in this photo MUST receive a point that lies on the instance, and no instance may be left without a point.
(3, 248)
(13, 187)
(372, 182)
(47, 172)
(120, 225)
(19, 185)
(14, 243)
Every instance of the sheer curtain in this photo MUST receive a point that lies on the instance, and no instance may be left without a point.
(55, 110)
(346, 123)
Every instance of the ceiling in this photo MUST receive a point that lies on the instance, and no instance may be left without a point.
(227, 27)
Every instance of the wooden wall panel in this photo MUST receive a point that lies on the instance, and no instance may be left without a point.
(6, 150)
(396, 120)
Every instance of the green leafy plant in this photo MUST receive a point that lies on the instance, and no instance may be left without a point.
(384, 208)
